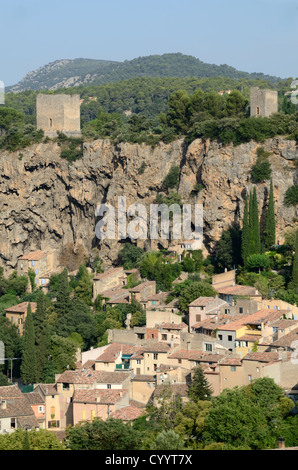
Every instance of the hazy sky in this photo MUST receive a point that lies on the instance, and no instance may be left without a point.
(253, 36)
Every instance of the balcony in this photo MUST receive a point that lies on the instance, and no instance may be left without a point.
(123, 366)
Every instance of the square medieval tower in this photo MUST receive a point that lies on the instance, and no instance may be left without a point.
(263, 102)
(58, 113)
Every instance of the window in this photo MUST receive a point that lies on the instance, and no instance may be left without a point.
(92, 414)
(208, 347)
(258, 111)
(240, 309)
(65, 386)
(155, 356)
(164, 337)
(227, 310)
(153, 302)
(32, 263)
(109, 386)
(51, 122)
(233, 368)
(83, 414)
(275, 329)
(198, 317)
(220, 337)
(230, 338)
(249, 377)
(138, 361)
(40, 409)
(12, 422)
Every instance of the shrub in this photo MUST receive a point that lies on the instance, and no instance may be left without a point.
(291, 196)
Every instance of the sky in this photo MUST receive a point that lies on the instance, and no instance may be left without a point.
(252, 36)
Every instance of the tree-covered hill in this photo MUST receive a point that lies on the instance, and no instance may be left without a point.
(72, 73)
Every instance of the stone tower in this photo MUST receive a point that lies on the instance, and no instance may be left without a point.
(263, 102)
(58, 113)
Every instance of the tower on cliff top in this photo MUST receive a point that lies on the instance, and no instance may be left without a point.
(58, 113)
(263, 102)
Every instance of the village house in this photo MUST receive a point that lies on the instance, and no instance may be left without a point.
(241, 335)
(15, 410)
(128, 413)
(52, 413)
(86, 379)
(18, 313)
(143, 291)
(42, 263)
(204, 307)
(96, 403)
(113, 277)
(227, 289)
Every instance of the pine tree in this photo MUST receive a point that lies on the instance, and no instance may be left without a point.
(245, 234)
(199, 388)
(269, 232)
(28, 366)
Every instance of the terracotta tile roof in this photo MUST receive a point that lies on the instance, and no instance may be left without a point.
(195, 355)
(128, 413)
(33, 256)
(271, 356)
(177, 389)
(212, 323)
(90, 376)
(34, 398)
(159, 296)
(251, 338)
(230, 361)
(287, 340)
(109, 272)
(254, 318)
(283, 323)
(201, 301)
(143, 378)
(156, 347)
(173, 326)
(21, 308)
(17, 405)
(237, 290)
(99, 396)
(112, 352)
(47, 389)
(141, 286)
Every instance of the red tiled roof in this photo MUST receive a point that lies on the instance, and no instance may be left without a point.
(194, 355)
(109, 272)
(173, 326)
(90, 376)
(98, 396)
(112, 352)
(139, 287)
(271, 356)
(128, 413)
(21, 308)
(201, 301)
(257, 317)
(33, 256)
(237, 290)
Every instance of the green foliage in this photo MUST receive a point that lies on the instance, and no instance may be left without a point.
(261, 171)
(130, 256)
(71, 147)
(228, 253)
(269, 231)
(28, 366)
(199, 388)
(258, 261)
(291, 196)
(168, 440)
(247, 416)
(254, 224)
(155, 268)
(30, 440)
(172, 179)
(111, 434)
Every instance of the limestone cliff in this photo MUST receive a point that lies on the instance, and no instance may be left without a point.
(47, 201)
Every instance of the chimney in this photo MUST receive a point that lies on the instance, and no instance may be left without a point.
(188, 345)
(3, 404)
(281, 443)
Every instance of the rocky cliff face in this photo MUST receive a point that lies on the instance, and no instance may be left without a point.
(47, 201)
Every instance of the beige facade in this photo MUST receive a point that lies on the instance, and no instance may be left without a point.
(91, 404)
(58, 112)
(18, 313)
(263, 102)
(157, 317)
(43, 263)
(114, 278)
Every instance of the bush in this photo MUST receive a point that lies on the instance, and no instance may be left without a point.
(291, 196)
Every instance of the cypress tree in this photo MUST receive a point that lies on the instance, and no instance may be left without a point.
(63, 303)
(269, 232)
(254, 224)
(28, 366)
(295, 265)
(245, 233)
(41, 336)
